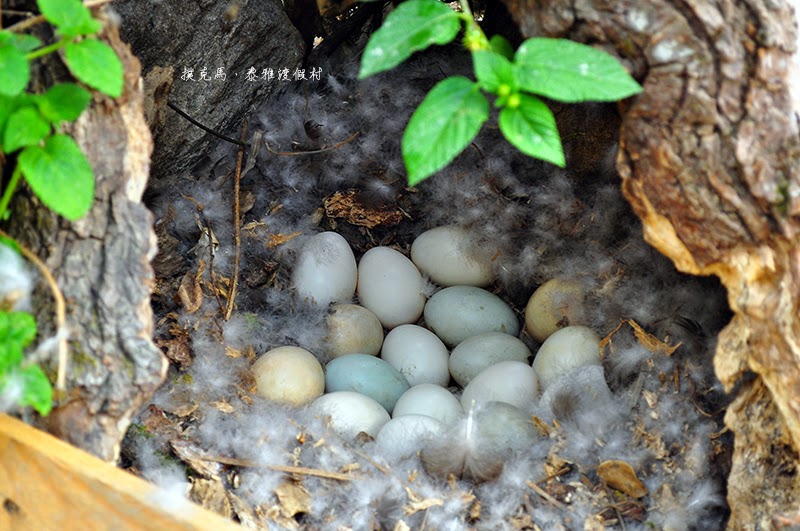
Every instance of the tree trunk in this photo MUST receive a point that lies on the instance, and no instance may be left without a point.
(709, 162)
(102, 265)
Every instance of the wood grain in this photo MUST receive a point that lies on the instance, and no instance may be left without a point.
(46, 483)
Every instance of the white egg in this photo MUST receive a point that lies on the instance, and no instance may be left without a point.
(326, 269)
(431, 400)
(418, 354)
(353, 329)
(390, 286)
(570, 347)
(291, 375)
(555, 304)
(351, 413)
(459, 312)
(447, 255)
(476, 353)
(404, 436)
(512, 382)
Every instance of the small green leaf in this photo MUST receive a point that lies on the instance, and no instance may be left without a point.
(64, 102)
(531, 127)
(14, 71)
(37, 391)
(493, 70)
(17, 330)
(71, 17)
(59, 175)
(568, 71)
(442, 126)
(500, 45)
(25, 127)
(10, 243)
(21, 41)
(412, 26)
(96, 64)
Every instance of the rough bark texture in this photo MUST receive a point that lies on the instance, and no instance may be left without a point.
(102, 264)
(709, 161)
(173, 35)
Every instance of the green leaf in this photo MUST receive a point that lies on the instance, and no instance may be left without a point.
(71, 17)
(25, 127)
(21, 41)
(442, 126)
(10, 243)
(492, 70)
(413, 26)
(568, 71)
(14, 71)
(37, 391)
(500, 45)
(531, 127)
(64, 102)
(17, 330)
(96, 64)
(59, 175)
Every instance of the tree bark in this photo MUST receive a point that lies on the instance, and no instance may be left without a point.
(709, 162)
(102, 265)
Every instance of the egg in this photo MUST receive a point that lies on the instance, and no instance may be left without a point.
(431, 400)
(326, 269)
(404, 436)
(418, 354)
(555, 304)
(367, 375)
(353, 329)
(476, 353)
(570, 347)
(390, 286)
(351, 413)
(449, 258)
(459, 312)
(512, 382)
(582, 398)
(291, 375)
(480, 445)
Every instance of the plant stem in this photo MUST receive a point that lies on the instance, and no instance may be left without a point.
(12, 185)
(465, 9)
(44, 50)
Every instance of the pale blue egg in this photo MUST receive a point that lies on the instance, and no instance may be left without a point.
(367, 375)
(459, 312)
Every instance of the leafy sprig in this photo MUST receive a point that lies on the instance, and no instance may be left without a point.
(455, 109)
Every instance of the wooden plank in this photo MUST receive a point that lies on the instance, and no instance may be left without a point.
(46, 483)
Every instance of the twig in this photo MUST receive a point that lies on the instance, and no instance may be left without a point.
(282, 468)
(541, 492)
(237, 230)
(38, 19)
(314, 152)
(205, 128)
(61, 310)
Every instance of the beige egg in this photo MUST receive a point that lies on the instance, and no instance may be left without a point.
(290, 375)
(555, 304)
(353, 329)
(566, 349)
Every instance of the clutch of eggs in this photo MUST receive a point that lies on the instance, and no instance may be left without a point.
(406, 372)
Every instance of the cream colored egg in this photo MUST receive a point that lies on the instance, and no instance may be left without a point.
(450, 258)
(512, 382)
(431, 400)
(390, 286)
(555, 304)
(459, 312)
(326, 269)
(418, 354)
(570, 347)
(353, 329)
(476, 353)
(351, 413)
(291, 375)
